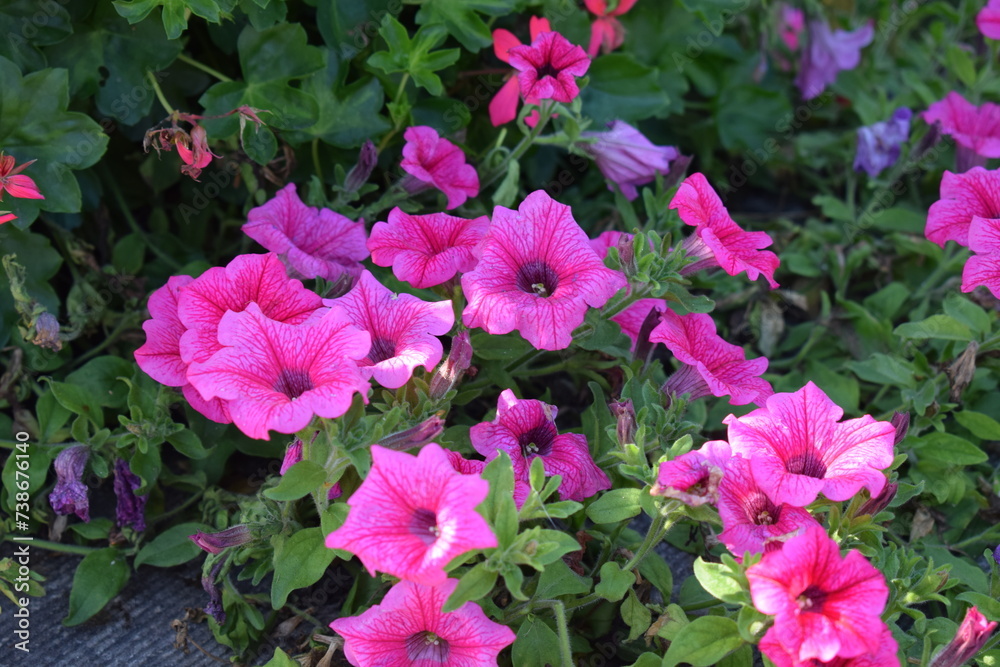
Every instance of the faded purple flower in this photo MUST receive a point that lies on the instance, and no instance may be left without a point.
(70, 494)
(131, 509)
(626, 157)
(214, 607)
(829, 52)
(879, 144)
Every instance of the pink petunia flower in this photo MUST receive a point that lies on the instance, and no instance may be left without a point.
(474, 467)
(606, 32)
(526, 429)
(711, 365)
(548, 68)
(988, 19)
(974, 128)
(14, 183)
(963, 197)
(503, 106)
(413, 514)
(798, 448)
(435, 161)
(983, 268)
(278, 376)
(409, 628)
(259, 279)
(427, 250)
(717, 239)
(626, 157)
(693, 478)
(970, 638)
(751, 521)
(885, 656)
(318, 243)
(828, 53)
(403, 330)
(824, 606)
(537, 273)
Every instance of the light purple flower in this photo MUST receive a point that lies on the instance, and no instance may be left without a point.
(879, 144)
(829, 52)
(627, 158)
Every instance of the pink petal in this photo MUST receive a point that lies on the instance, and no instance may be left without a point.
(963, 197)
(503, 106)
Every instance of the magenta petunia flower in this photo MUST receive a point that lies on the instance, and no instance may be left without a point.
(751, 521)
(413, 514)
(409, 628)
(693, 478)
(503, 106)
(436, 161)
(427, 250)
(626, 157)
(885, 656)
(972, 127)
(798, 448)
(606, 32)
(548, 68)
(988, 19)
(711, 365)
(824, 606)
(318, 243)
(983, 268)
(537, 273)
(259, 279)
(403, 330)
(473, 467)
(828, 53)
(963, 197)
(277, 376)
(717, 239)
(526, 429)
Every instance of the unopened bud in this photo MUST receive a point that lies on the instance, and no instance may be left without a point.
(293, 454)
(901, 420)
(624, 412)
(214, 543)
(421, 434)
(449, 373)
(873, 506)
(970, 638)
(359, 173)
(626, 254)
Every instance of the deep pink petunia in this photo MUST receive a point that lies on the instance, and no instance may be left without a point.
(711, 365)
(824, 606)
(963, 197)
(751, 521)
(503, 106)
(526, 429)
(975, 128)
(408, 628)
(626, 157)
(474, 467)
(413, 514)
(988, 19)
(548, 68)
(259, 279)
(537, 273)
(436, 161)
(277, 376)
(717, 239)
(828, 53)
(427, 250)
(693, 478)
(318, 243)
(885, 656)
(403, 328)
(606, 32)
(983, 268)
(798, 448)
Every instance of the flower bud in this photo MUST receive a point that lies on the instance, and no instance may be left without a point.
(418, 435)
(873, 506)
(449, 373)
(359, 173)
(970, 638)
(214, 543)
(624, 412)
(131, 508)
(293, 454)
(70, 494)
(901, 420)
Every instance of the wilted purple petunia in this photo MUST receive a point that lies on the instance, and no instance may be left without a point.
(69, 496)
(626, 157)
(828, 53)
(131, 509)
(879, 144)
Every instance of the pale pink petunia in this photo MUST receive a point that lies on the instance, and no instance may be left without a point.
(526, 430)
(798, 448)
(988, 19)
(278, 376)
(751, 521)
(403, 328)
(824, 606)
(963, 197)
(717, 239)
(318, 243)
(884, 656)
(711, 365)
(983, 268)
(413, 514)
(426, 250)
(537, 273)
(259, 279)
(503, 106)
(436, 161)
(975, 128)
(606, 32)
(626, 157)
(693, 478)
(548, 68)
(827, 53)
(408, 628)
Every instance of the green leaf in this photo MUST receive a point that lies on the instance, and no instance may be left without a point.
(259, 143)
(462, 21)
(962, 309)
(78, 401)
(506, 192)
(636, 615)
(703, 642)
(475, 584)
(188, 443)
(656, 570)
(24, 33)
(885, 369)
(499, 508)
(175, 12)
(622, 88)
(537, 645)
(614, 582)
(961, 64)
(980, 425)
(948, 449)
(414, 56)
(615, 505)
(98, 578)
(147, 466)
(281, 659)
(557, 579)
(298, 481)
(713, 578)
(171, 547)
(99, 377)
(299, 561)
(943, 327)
(987, 605)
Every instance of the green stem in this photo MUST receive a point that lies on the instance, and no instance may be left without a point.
(54, 546)
(204, 68)
(981, 537)
(545, 113)
(120, 199)
(559, 610)
(398, 124)
(944, 267)
(120, 328)
(159, 93)
(316, 163)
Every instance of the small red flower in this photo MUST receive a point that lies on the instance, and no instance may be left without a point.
(606, 32)
(196, 156)
(548, 68)
(16, 184)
